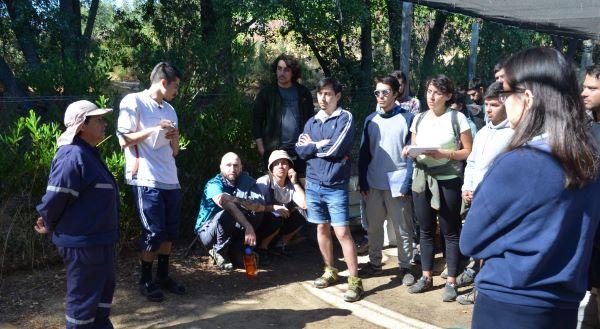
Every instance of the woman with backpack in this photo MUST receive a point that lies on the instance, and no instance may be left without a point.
(437, 180)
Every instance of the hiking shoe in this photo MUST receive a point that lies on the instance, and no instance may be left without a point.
(468, 298)
(450, 293)
(220, 261)
(444, 274)
(369, 269)
(151, 291)
(172, 286)
(422, 285)
(466, 277)
(328, 278)
(355, 289)
(408, 279)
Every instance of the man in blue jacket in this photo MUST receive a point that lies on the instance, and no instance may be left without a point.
(80, 209)
(326, 144)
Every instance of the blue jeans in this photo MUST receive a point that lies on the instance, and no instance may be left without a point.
(327, 204)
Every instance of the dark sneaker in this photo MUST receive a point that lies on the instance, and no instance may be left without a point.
(172, 286)
(151, 291)
(355, 289)
(468, 298)
(450, 293)
(408, 279)
(369, 269)
(328, 278)
(465, 278)
(422, 285)
(220, 261)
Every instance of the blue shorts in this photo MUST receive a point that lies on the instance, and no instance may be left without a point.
(327, 204)
(159, 212)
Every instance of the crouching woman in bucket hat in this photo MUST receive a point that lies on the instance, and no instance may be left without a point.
(80, 209)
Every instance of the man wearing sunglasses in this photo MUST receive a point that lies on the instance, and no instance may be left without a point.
(281, 110)
(385, 178)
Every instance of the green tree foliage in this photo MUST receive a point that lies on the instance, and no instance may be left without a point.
(223, 48)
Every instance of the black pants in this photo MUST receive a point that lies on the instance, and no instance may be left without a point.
(285, 225)
(450, 223)
(223, 232)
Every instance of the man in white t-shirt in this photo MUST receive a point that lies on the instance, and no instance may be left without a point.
(148, 134)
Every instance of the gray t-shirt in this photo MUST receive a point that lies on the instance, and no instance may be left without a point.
(290, 117)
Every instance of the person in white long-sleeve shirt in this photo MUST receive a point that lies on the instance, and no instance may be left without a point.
(490, 141)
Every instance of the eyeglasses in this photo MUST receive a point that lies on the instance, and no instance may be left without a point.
(504, 95)
(384, 92)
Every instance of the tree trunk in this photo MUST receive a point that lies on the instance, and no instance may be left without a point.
(394, 8)
(435, 35)
(366, 48)
(208, 16)
(70, 26)
(297, 26)
(21, 13)
(12, 86)
(91, 20)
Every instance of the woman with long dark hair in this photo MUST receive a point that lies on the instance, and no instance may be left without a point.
(437, 180)
(533, 217)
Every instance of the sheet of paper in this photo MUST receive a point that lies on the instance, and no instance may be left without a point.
(414, 150)
(158, 139)
(396, 179)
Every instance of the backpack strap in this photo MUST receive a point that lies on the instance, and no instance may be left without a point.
(419, 119)
(456, 129)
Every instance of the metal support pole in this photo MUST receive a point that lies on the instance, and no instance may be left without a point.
(471, 67)
(407, 13)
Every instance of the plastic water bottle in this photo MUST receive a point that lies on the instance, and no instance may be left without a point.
(250, 263)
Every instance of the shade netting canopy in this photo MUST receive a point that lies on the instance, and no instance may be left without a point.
(579, 19)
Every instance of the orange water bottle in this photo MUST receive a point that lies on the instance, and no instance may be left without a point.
(250, 263)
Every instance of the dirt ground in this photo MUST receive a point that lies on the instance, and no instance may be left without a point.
(276, 299)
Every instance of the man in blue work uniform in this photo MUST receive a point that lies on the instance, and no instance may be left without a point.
(80, 209)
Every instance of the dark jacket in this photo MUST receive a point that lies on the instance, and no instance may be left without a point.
(266, 121)
(81, 202)
(535, 236)
(329, 165)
